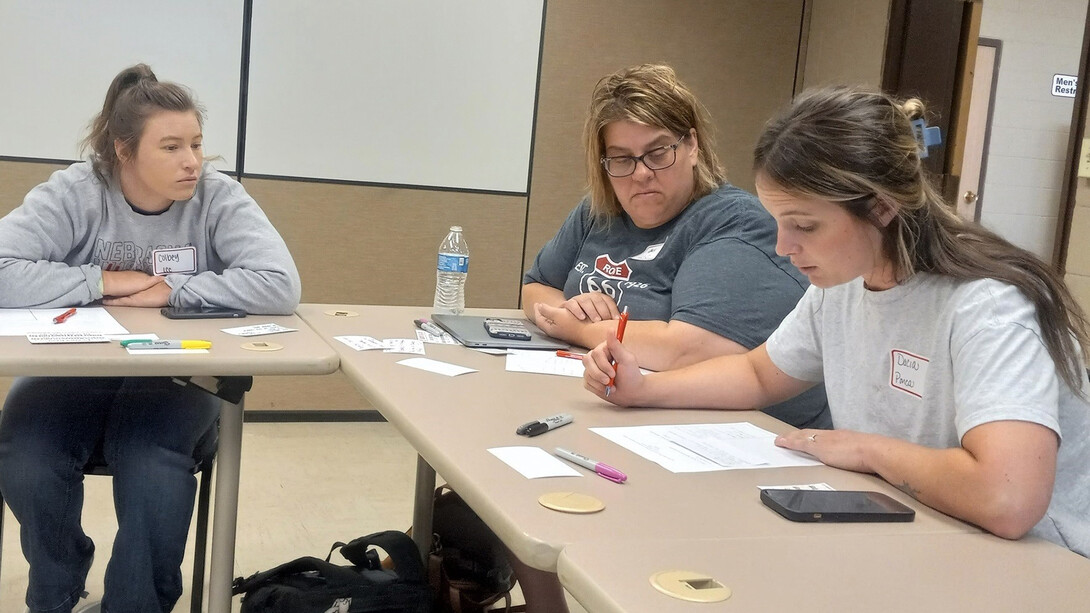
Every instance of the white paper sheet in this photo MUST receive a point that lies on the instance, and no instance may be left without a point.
(435, 366)
(543, 362)
(20, 322)
(706, 447)
(257, 330)
(804, 486)
(534, 462)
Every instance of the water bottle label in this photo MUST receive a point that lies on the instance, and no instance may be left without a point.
(453, 263)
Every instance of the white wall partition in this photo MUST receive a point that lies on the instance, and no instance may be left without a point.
(409, 92)
(60, 56)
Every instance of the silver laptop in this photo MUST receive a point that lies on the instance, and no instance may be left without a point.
(469, 330)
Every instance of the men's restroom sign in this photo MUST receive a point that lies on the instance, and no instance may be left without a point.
(1063, 85)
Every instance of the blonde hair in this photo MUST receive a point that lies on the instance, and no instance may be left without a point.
(652, 95)
(134, 95)
(857, 148)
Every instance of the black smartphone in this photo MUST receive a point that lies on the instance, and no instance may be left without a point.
(835, 506)
(200, 313)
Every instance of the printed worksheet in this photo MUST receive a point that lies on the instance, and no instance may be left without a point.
(543, 362)
(706, 447)
(93, 320)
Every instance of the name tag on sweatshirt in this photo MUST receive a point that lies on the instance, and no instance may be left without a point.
(178, 260)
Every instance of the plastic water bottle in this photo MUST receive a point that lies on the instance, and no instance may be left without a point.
(450, 273)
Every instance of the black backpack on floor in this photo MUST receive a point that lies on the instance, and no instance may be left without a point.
(311, 585)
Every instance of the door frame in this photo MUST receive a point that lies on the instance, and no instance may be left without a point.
(1074, 147)
(987, 143)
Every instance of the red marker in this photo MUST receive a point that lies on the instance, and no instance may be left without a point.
(564, 353)
(620, 337)
(63, 317)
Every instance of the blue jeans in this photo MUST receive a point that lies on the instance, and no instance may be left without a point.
(147, 430)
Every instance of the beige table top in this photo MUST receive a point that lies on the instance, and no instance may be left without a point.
(831, 574)
(453, 421)
(304, 352)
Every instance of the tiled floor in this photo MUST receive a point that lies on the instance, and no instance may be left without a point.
(303, 486)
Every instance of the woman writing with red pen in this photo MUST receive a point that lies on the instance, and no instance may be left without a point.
(954, 360)
(665, 236)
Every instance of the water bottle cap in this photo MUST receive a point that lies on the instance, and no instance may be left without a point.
(456, 228)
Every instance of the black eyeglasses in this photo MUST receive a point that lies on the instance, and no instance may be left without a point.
(655, 159)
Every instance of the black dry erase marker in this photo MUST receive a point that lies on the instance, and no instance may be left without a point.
(544, 424)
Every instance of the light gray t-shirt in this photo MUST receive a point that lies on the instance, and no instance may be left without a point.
(215, 249)
(713, 266)
(929, 360)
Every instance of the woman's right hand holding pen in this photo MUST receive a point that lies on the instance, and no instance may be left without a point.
(610, 360)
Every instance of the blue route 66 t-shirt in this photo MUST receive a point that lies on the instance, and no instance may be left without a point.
(713, 266)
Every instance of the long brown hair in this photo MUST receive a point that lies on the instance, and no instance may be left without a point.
(857, 148)
(134, 95)
(649, 94)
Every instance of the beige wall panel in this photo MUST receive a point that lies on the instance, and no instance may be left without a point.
(1078, 246)
(846, 42)
(737, 55)
(17, 178)
(371, 245)
(1082, 184)
(1080, 288)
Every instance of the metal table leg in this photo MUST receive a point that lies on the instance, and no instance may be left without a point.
(422, 507)
(228, 464)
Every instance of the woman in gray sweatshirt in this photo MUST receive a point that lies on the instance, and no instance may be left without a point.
(144, 223)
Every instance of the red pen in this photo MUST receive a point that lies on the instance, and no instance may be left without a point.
(564, 353)
(620, 337)
(63, 317)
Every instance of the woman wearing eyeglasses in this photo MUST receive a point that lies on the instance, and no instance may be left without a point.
(663, 234)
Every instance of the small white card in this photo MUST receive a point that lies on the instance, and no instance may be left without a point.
(443, 339)
(361, 343)
(257, 330)
(534, 462)
(177, 260)
(442, 368)
(402, 345)
(150, 336)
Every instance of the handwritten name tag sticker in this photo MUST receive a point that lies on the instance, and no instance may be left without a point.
(649, 253)
(908, 372)
(178, 260)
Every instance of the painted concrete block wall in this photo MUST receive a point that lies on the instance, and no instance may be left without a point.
(1030, 126)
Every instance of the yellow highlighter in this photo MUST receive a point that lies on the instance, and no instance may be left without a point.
(164, 344)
